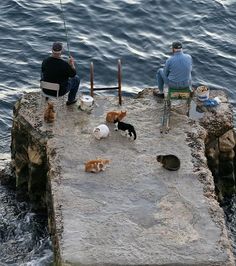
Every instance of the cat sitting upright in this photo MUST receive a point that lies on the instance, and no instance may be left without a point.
(95, 166)
(101, 131)
(112, 116)
(49, 113)
(127, 128)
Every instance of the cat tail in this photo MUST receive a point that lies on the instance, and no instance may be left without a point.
(135, 135)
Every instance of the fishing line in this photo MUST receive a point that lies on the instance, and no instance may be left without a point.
(64, 20)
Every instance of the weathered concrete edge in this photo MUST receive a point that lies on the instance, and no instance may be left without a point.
(35, 159)
(196, 138)
(53, 174)
(196, 141)
(200, 168)
(54, 208)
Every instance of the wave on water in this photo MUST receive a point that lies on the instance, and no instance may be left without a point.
(24, 237)
(104, 31)
(229, 206)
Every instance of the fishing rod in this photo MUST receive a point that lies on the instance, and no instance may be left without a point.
(64, 20)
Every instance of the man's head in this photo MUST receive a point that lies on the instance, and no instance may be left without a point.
(57, 48)
(176, 46)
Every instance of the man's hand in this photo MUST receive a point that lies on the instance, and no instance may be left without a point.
(71, 62)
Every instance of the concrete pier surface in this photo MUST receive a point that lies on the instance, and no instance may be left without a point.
(135, 212)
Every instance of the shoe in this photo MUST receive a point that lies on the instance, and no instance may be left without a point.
(71, 102)
(159, 94)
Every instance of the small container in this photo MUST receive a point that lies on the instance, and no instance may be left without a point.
(202, 93)
(86, 102)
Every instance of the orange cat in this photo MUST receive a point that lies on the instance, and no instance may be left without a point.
(115, 115)
(49, 113)
(95, 166)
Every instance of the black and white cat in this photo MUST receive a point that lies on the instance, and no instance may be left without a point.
(127, 128)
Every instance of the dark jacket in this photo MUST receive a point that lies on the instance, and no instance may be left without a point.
(56, 70)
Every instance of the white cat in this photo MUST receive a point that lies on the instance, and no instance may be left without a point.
(101, 131)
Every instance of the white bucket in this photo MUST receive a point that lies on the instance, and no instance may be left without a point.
(202, 93)
(86, 103)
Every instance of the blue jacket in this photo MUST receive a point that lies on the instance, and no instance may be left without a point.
(178, 69)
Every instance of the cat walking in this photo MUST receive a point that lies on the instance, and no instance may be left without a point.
(127, 128)
(112, 116)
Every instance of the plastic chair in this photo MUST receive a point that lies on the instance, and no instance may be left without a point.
(180, 94)
(53, 88)
(174, 94)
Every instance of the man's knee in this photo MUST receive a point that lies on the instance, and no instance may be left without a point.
(76, 80)
(160, 73)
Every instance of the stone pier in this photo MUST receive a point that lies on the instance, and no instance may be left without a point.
(135, 212)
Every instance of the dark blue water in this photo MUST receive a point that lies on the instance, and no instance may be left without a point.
(24, 238)
(138, 32)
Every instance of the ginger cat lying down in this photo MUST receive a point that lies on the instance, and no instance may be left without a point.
(115, 115)
(95, 166)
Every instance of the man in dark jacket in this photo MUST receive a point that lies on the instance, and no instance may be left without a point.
(54, 69)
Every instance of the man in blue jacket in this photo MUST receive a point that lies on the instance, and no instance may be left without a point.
(56, 70)
(176, 72)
